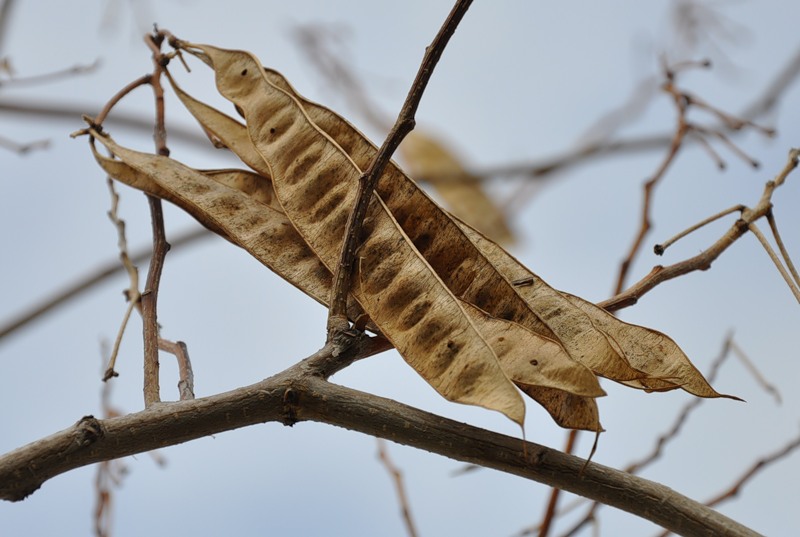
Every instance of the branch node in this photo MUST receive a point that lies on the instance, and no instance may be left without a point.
(290, 400)
(109, 374)
(88, 430)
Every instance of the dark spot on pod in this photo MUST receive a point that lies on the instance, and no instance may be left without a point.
(423, 241)
(414, 314)
(534, 362)
(244, 72)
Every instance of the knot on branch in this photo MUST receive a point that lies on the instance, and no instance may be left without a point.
(291, 397)
(88, 430)
(341, 336)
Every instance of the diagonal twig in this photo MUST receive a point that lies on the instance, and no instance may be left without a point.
(703, 260)
(552, 503)
(337, 315)
(683, 102)
(759, 378)
(753, 471)
(775, 259)
(784, 252)
(105, 271)
(397, 477)
(67, 72)
(132, 294)
(160, 244)
(23, 148)
(749, 474)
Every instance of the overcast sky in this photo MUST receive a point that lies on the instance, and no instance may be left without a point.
(520, 81)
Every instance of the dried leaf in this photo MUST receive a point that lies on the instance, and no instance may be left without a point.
(401, 294)
(529, 359)
(428, 160)
(584, 341)
(264, 232)
(475, 277)
(362, 151)
(224, 129)
(544, 371)
(432, 285)
(431, 241)
(568, 410)
(647, 350)
(526, 358)
(513, 344)
(650, 351)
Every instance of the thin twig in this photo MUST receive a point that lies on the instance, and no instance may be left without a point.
(337, 316)
(647, 196)
(753, 471)
(775, 259)
(110, 371)
(397, 478)
(683, 102)
(730, 121)
(117, 97)
(681, 130)
(106, 270)
(552, 503)
(703, 260)
(159, 63)
(150, 301)
(6, 7)
(185, 373)
(109, 473)
(22, 149)
(735, 149)
(660, 248)
(748, 363)
(773, 225)
(132, 294)
(50, 77)
(160, 245)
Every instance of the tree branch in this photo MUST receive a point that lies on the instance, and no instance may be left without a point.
(703, 260)
(294, 396)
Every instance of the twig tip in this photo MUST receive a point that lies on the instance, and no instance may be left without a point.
(109, 374)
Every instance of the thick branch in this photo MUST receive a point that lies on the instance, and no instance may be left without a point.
(295, 396)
